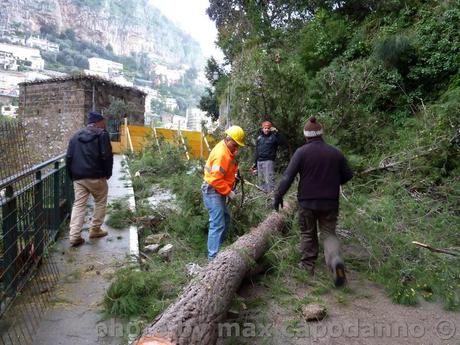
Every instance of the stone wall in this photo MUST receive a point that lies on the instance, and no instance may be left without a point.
(52, 111)
(134, 98)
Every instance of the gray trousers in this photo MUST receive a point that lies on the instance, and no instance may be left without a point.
(266, 174)
(326, 220)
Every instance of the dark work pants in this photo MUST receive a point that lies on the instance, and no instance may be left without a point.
(326, 220)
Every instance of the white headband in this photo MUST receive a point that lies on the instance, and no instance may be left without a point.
(311, 134)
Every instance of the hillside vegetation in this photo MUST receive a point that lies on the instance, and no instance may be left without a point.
(383, 77)
(132, 32)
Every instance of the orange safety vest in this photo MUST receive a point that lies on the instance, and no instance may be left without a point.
(220, 169)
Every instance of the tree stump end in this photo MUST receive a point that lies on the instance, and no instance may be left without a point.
(153, 341)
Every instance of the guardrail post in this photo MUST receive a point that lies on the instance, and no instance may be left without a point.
(38, 222)
(68, 193)
(10, 240)
(56, 200)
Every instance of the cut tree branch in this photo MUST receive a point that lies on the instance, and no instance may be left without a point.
(433, 249)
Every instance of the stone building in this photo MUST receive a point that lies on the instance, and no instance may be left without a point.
(52, 110)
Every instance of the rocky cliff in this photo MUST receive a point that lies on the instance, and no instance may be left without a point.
(127, 25)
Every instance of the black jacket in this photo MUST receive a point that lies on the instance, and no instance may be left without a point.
(89, 154)
(322, 168)
(266, 147)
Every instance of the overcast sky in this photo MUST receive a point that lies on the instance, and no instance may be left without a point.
(190, 15)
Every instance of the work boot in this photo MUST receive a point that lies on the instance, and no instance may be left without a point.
(96, 232)
(77, 242)
(339, 273)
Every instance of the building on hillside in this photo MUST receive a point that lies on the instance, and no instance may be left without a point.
(11, 37)
(30, 56)
(152, 119)
(52, 110)
(43, 44)
(168, 76)
(8, 61)
(173, 121)
(151, 94)
(195, 117)
(108, 67)
(9, 96)
(171, 104)
(11, 79)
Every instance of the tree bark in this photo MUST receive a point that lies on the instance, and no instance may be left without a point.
(195, 316)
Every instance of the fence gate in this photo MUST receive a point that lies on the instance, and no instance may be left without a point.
(34, 201)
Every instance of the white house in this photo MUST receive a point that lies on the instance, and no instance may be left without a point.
(168, 76)
(171, 104)
(173, 121)
(37, 42)
(194, 118)
(151, 94)
(105, 66)
(179, 122)
(32, 55)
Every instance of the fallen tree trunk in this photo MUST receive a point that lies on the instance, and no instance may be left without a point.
(195, 316)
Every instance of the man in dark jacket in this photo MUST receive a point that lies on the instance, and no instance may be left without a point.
(265, 154)
(89, 162)
(322, 169)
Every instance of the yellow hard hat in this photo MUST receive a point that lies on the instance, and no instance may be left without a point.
(237, 134)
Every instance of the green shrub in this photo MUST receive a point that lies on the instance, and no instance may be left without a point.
(396, 51)
(322, 40)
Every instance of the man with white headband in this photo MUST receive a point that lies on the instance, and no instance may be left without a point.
(322, 169)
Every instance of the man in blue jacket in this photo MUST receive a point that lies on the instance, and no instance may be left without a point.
(322, 169)
(89, 162)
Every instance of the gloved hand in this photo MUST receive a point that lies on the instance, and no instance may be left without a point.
(237, 177)
(273, 129)
(277, 202)
(231, 195)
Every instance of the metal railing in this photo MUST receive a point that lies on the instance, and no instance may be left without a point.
(33, 206)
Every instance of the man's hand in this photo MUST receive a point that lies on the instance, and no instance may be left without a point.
(273, 129)
(253, 169)
(277, 202)
(231, 195)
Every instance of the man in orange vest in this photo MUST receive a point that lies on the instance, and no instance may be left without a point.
(219, 178)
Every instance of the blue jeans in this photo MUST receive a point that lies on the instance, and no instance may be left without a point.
(219, 218)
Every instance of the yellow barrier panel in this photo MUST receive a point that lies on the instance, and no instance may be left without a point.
(198, 145)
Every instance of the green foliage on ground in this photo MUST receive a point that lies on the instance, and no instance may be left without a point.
(383, 79)
(144, 293)
(120, 216)
(385, 216)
